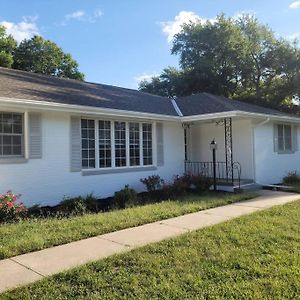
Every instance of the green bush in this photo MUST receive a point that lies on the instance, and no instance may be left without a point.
(10, 208)
(125, 197)
(72, 206)
(201, 183)
(77, 205)
(152, 183)
(292, 178)
(180, 185)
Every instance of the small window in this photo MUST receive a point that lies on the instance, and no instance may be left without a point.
(284, 138)
(11, 134)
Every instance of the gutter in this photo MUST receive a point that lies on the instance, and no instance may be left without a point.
(81, 109)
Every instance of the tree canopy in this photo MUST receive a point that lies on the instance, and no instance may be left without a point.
(237, 58)
(37, 55)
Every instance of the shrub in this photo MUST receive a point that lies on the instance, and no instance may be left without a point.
(152, 183)
(125, 197)
(10, 209)
(78, 205)
(72, 206)
(180, 185)
(292, 178)
(201, 183)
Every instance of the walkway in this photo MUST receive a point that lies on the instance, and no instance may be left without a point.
(27, 268)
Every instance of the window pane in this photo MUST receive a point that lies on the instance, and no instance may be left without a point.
(280, 131)
(120, 144)
(88, 143)
(104, 144)
(288, 137)
(147, 144)
(134, 144)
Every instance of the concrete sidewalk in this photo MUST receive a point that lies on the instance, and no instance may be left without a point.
(27, 268)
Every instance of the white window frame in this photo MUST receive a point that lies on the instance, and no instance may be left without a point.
(285, 150)
(127, 166)
(23, 135)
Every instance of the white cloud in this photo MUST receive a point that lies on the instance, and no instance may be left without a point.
(145, 76)
(293, 36)
(25, 29)
(295, 5)
(77, 15)
(170, 28)
(81, 15)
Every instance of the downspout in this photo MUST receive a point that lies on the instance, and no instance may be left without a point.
(267, 120)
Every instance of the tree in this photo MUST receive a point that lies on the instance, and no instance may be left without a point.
(235, 58)
(45, 57)
(169, 83)
(7, 47)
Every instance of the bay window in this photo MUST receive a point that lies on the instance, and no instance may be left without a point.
(116, 144)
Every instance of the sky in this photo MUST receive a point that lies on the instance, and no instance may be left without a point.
(122, 42)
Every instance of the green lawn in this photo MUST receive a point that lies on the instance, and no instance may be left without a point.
(36, 234)
(252, 257)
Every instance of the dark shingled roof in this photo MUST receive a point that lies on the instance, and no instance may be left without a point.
(205, 103)
(32, 86)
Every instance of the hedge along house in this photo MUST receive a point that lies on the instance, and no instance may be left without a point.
(64, 137)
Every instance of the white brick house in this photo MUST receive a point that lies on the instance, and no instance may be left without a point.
(62, 137)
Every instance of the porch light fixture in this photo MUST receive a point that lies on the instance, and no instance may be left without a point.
(213, 145)
(213, 148)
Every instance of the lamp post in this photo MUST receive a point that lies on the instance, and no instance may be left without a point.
(213, 148)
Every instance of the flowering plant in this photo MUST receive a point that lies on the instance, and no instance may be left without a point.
(10, 209)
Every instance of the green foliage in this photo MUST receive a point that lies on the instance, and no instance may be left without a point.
(234, 58)
(125, 197)
(292, 178)
(72, 206)
(40, 233)
(7, 48)
(251, 257)
(45, 57)
(10, 209)
(152, 183)
(77, 205)
(37, 55)
(201, 183)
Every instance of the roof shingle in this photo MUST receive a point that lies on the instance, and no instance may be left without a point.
(32, 86)
(205, 103)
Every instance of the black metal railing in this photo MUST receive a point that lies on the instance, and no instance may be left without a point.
(224, 174)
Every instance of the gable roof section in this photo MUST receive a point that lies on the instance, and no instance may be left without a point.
(31, 86)
(205, 103)
(21, 86)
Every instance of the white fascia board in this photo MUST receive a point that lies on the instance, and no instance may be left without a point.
(212, 116)
(241, 114)
(289, 119)
(81, 109)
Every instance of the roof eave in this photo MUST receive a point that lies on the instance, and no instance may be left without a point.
(242, 114)
(82, 109)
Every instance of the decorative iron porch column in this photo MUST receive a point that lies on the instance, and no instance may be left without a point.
(228, 148)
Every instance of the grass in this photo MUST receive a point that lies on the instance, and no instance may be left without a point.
(252, 257)
(36, 234)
